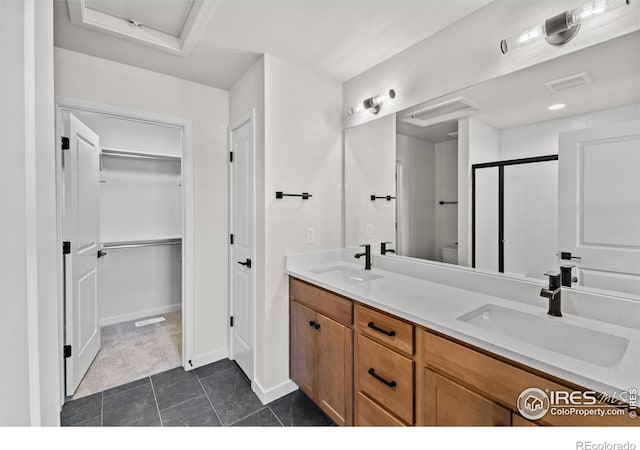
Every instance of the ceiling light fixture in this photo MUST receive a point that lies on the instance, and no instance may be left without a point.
(556, 107)
(560, 29)
(372, 104)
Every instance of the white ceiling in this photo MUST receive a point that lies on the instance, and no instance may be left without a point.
(337, 38)
(522, 98)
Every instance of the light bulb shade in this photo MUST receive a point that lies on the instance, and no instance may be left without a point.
(373, 104)
(593, 10)
(562, 27)
(523, 38)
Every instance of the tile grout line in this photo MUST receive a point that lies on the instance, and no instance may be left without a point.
(182, 402)
(275, 415)
(156, 400)
(249, 415)
(209, 400)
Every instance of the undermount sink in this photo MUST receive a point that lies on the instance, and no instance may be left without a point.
(588, 345)
(347, 274)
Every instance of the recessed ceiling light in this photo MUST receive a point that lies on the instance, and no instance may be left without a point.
(556, 107)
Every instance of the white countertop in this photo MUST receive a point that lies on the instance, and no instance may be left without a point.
(438, 305)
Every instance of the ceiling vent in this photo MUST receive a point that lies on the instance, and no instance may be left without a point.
(456, 108)
(570, 82)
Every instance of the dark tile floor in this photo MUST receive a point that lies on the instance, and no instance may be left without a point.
(214, 395)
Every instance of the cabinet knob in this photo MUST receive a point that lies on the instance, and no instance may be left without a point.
(316, 326)
(312, 323)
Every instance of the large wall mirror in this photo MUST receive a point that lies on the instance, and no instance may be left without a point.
(517, 175)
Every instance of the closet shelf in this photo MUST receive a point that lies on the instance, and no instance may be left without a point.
(130, 154)
(142, 243)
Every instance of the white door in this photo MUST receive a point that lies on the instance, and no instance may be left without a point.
(82, 230)
(599, 205)
(242, 266)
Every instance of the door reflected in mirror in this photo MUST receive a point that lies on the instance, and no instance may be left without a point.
(499, 177)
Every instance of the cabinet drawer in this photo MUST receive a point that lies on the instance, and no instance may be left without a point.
(370, 414)
(385, 328)
(501, 381)
(331, 305)
(386, 376)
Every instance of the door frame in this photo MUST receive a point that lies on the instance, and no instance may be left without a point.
(68, 104)
(248, 117)
(500, 165)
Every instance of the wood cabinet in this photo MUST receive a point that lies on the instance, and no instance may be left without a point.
(450, 404)
(495, 382)
(403, 374)
(321, 349)
(384, 369)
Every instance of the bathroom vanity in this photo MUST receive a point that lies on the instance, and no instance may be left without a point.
(392, 347)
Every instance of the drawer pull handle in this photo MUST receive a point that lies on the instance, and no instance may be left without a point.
(380, 330)
(373, 373)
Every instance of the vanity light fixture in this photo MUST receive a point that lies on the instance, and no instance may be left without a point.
(556, 107)
(560, 29)
(372, 104)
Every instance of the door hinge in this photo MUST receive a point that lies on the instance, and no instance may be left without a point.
(231, 239)
(231, 321)
(65, 143)
(66, 351)
(66, 247)
(230, 156)
(101, 253)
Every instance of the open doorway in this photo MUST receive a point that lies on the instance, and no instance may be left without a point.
(125, 232)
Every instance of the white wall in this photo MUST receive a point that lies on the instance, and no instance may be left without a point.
(477, 143)
(419, 222)
(446, 176)
(369, 166)
(30, 254)
(99, 80)
(303, 152)
(471, 45)
(541, 138)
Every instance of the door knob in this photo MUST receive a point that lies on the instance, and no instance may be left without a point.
(246, 263)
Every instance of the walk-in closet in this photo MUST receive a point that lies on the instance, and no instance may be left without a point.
(139, 268)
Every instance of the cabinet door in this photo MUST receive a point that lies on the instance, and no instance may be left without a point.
(518, 421)
(304, 348)
(334, 370)
(449, 404)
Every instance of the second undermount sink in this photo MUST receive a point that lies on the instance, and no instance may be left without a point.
(347, 275)
(592, 346)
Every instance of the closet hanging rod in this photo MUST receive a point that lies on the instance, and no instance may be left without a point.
(120, 153)
(141, 243)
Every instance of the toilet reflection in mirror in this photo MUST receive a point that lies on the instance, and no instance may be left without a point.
(498, 177)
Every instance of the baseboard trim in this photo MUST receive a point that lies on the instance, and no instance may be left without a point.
(139, 314)
(268, 395)
(206, 358)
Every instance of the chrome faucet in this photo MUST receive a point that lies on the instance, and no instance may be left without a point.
(553, 293)
(367, 256)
